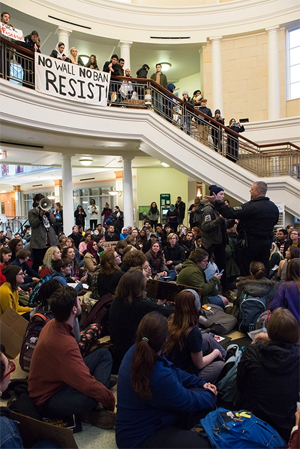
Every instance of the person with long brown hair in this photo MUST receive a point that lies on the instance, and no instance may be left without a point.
(9, 294)
(288, 294)
(110, 273)
(5, 256)
(128, 308)
(186, 347)
(155, 397)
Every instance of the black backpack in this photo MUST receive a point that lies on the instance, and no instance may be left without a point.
(251, 308)
(100, 314)
(35, 325)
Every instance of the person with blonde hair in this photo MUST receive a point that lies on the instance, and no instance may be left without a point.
(52, 253)
(75, 59)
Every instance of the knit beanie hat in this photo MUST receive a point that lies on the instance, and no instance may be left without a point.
(215, 189)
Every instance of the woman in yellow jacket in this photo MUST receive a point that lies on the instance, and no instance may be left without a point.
(9, 294)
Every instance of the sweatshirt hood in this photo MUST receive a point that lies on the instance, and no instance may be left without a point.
(279, 357)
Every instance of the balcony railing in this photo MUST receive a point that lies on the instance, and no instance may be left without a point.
(279, 159)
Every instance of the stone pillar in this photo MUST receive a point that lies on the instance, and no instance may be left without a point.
(67, 194)
(125, 53)
(63, 36)
(217, 85)
(273, 74)
(18, 204)
(127, 192)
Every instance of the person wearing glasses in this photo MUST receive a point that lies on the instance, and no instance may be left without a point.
(9, 291)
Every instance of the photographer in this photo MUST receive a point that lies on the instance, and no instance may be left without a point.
(42, 233)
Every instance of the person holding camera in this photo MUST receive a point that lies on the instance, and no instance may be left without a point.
(42, 232)
(232, 152)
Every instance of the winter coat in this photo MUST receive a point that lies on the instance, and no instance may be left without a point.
(259, 288)
(142, 72)
(157, 264)
(268, 383)
(193, 276)
(176, 254)
(212, 227)
(40, 237)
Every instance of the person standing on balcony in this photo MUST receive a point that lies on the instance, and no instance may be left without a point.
(257, 219)
(143, 71)
(185, 114)
(232, 152)
(5, 18)
(161, 79)
(203, 127)
(216, 131)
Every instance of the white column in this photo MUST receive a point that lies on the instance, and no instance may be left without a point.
(67, 194)
(217, 85)
(125, 53)
(63, 36)
(127, 192)
(18, 200)
(273, 74)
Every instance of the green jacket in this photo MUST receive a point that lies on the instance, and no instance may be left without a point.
(163, 79)
(193, 276)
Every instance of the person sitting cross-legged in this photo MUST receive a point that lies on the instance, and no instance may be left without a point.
(61, 382)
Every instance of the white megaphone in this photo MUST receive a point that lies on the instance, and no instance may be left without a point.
(45, 204)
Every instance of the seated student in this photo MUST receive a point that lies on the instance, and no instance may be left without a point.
(148, 244)
(127, 309)
(292, 252)
(62, 272)
(9, 294)
(76, 235)
(68, 255)
(288, 294)
(109, 273)
(186, 347)
(31, 277)
(157, 261)
(256, 284)
(121, 247)
(124, 233)
(14, 245)
(174, 253)
(5, 256)
(133, 258)
(61, 382)
(70, 244)
(193, 274)
(268, 374)
(52, 253)
(157, 402)
(274, 259)
(83, 244)
(91, 259)
(111, 235)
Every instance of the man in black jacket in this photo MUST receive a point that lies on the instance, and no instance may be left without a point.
(257, 219)
(203, 127)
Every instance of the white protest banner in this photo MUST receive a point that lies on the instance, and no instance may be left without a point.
(69, 81)
(12, 33)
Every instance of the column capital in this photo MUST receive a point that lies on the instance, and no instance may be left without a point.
(215, 38)
(58, 182)
(66, 156)
(125, 43)
(17, 188)
(274, 28)
(63, 29)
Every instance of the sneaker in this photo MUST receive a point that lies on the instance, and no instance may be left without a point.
(104, 419)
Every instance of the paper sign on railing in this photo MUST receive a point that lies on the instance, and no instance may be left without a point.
(11, 32)
(70, 82)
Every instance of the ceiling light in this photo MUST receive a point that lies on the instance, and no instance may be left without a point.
(164, 164)
(112, 193)
(86, 161)
(85, 59)
(165, 66)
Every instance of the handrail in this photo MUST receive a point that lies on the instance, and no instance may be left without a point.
(276, 159)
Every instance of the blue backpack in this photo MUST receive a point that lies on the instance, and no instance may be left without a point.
(239, 430)
(34, 292)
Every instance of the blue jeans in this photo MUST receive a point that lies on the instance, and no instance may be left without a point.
(68, 400)
(216, 300)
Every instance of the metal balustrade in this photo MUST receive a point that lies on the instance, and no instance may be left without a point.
(279, 159)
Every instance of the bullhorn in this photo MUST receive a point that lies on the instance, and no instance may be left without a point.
(45, 204)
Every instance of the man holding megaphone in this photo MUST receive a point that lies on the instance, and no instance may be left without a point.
(42, 233)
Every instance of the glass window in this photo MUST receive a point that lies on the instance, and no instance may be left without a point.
(294, 64)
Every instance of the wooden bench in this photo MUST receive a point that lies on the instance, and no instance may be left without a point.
(166, 290)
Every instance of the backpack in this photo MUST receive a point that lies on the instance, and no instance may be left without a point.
(100, 314)
(238, 430)
(34, 292)
(216, 319)
(250, 309)
(263, 319)
(35, 325)
(226, 383)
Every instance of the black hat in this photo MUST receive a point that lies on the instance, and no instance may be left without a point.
(215, 189)
(217, 111)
